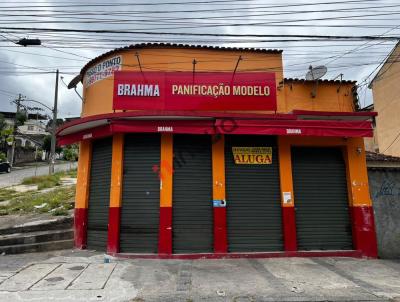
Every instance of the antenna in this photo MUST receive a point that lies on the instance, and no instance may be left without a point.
(314, 74)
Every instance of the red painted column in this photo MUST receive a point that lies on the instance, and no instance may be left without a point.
(363, 228)
(287, 199)
(165, 231)
(165, 170)
(114, 211)
(80, 227)
(219, 203)
(82, 195)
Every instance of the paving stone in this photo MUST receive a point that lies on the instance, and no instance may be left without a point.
(27, 277)
(374, 275)
(304, 277)
(94, 276)
(61, 277)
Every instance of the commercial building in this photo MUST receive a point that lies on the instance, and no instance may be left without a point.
(197, 151)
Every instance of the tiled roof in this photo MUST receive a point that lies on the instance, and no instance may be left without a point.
(296, 80)
(174, 45)
(372, 156)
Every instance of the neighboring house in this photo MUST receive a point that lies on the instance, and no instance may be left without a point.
(386, 93)
(32, 132)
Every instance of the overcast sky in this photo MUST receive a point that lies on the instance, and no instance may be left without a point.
(30, 70)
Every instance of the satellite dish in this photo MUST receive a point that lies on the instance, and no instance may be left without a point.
(316, 73)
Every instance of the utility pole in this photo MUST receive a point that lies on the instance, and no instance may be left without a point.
(54, 128)
(15, 128)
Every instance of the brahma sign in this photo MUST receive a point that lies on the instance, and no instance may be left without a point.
(198, 91)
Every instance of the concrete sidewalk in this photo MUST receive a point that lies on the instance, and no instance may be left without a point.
(83, 276)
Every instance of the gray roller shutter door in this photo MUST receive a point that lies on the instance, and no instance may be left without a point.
(99, 194)
(321, 199)
(192, 194)
(140, 194)
(254, 214)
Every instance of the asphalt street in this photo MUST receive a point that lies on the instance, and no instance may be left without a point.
(18, 174)
(86, 276)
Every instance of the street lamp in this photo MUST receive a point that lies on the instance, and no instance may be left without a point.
(29, 42)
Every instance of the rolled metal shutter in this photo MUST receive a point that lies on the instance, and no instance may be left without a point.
(253, 198)
(140, 194)
(321, 200)
(99, 194)
(192, 195)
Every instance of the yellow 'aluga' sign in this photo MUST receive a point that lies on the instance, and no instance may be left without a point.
(252, 155)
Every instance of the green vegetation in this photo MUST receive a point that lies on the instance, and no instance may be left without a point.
(48, 181)
(71, 153)
(7, 194)
(57, 202)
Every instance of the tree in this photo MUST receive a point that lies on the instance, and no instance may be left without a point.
(5, 137)
(3, 123)
(21, 118)
(47, 144)
(71, 152)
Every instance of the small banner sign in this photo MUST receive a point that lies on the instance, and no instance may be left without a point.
(194, 91)
(102, 70)
(252, 155)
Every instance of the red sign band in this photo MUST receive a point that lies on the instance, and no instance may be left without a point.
(194, 91)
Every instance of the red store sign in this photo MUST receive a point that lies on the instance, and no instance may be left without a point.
(198, 91)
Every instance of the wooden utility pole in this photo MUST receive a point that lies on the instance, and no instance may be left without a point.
(54, 129)
(15, 128)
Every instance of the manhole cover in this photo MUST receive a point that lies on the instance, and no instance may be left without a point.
(54, 279)
(76, 268)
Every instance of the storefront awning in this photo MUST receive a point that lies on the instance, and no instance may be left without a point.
(298, 123)
(297, 127)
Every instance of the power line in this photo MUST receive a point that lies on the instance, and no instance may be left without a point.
(185, 3)
(303, 36)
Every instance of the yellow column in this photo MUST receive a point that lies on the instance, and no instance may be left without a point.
(218, 167)
(166, 170)
(218, 171)
(362, 214)
(285, 170)
(83, 174)
(82, 194)
(117, 170)
(357, 173)
(287, 195)
(166, 177)
(114, 213)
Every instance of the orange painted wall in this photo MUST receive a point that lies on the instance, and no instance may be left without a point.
(290, 96)
(98, 97)
(329, 97)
